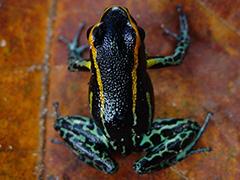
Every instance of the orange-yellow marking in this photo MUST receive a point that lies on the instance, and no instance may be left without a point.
(98, 74)
(134, 70)
(90, 101)
(99, 80)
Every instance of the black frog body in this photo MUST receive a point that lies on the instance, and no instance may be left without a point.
(121, 98)
(120, 88)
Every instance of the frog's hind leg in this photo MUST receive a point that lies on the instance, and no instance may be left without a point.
(75, 60)
(168, 142)
(86, 140)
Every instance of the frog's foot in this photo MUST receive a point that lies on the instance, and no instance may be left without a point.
(87, 141)
(169, 32)
(75, 51)
(168, 142)
(183, 41)
(183, 26)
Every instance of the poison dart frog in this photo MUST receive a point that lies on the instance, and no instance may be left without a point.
(121, 98)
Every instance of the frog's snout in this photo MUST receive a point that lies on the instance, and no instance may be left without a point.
(116, 10)
(114, 14)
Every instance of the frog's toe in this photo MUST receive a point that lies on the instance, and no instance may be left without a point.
(82, 48)
(56, 109)
(169, 32)
(138, 168)
(110, 167)
(73, 45)
(179, 8)
(63, 39)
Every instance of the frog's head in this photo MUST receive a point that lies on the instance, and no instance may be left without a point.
(116, 30)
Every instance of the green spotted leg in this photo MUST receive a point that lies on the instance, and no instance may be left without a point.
(75, 59)
(168, 142)
(183, 41)
(86, 139)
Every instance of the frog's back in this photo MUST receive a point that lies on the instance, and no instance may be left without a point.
(120, 90)
(115, 115)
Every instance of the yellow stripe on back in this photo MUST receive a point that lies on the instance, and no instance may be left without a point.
(98, 74)
(90, 101)
(133, 74)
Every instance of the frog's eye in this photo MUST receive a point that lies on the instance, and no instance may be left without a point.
(98, 34)
(141, 33)
(129, 36)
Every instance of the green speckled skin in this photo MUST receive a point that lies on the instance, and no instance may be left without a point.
(121, 99)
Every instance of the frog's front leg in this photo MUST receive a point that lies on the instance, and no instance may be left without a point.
(168, 142)
(75, 51)
(183, 41)
(86, 140)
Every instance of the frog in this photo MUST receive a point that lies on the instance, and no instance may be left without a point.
(121, 99)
